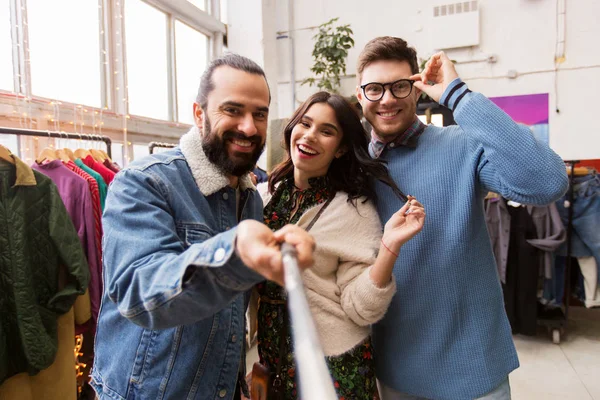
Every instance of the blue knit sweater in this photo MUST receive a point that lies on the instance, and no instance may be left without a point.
(446, 335)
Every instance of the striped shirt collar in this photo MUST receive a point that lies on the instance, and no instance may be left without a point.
(408, 138)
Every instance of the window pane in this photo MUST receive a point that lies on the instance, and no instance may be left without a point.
(10, 142)
(6, 67)
(191, 49)
(201, 4)
(117, 153)
(65, 50)
(140, 150)
(147, 70)
(223, 4)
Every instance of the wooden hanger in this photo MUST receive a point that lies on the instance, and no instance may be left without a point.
(6, 155)
(82, 153)
(492, 195)
(105, 155)
(63, 155)
(578, 171)
(70, 153)
(48, 154)
(98, 156)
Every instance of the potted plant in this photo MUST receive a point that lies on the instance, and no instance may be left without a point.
(329, 54)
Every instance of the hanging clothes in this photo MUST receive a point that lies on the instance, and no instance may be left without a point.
(589, 270)
(38, 243)
(522, 272)
(106, 173)
(497, 220)
(585, 237)
(586, 217)
(111, 165)
(550, 233)
(102, 187)
(76, 196)
(96, 205)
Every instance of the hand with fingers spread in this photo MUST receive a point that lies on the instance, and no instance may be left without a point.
(403, 225)
(439, 72)
(259, 248)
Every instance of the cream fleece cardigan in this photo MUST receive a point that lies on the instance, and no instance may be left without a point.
(342, 297)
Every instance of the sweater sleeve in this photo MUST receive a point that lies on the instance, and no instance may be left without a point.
(512, 162)
(361, 299)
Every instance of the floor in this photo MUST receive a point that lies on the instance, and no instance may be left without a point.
(568, 371)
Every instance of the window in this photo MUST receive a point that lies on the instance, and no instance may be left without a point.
(191, 53)
(140, 150)
(147, 60)
(11, 142)
(117, 153)
(224, 11)
(6, 67)
(201, 4)
(64, 49)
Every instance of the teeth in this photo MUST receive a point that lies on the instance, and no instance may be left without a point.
(242, 143)
(306, 149)
(388, 114)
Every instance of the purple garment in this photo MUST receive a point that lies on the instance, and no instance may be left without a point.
(75, 193)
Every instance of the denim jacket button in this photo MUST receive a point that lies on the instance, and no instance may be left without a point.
(225, 196)
(234, 338)
(219, 254)
(222, 392)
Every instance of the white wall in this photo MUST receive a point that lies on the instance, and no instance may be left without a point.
(251, 33)
(520, 33)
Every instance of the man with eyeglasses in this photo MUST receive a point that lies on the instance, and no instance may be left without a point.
(446, 334)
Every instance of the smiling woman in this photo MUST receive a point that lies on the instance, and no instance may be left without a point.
(315, 143)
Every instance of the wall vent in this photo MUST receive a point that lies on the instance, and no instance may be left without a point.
(455, 25)
(455, 8)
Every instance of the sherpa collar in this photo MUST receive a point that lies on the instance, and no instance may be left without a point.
(209, 178)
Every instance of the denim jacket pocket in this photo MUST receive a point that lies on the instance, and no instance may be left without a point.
(191, 233)
(142, 356)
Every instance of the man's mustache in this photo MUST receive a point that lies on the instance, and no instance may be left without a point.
(231, 135)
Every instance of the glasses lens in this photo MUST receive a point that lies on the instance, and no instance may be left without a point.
(401, 88)
(373, 91)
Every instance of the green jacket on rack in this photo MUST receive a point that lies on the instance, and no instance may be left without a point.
(42, 268)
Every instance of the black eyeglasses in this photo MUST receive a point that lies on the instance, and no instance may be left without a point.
(400, 89)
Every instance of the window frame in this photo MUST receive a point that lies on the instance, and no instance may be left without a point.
(114, 113)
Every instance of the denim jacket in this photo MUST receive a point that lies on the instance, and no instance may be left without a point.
(171, 323)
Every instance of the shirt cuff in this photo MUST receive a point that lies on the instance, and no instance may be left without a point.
(225, 263)
(454, 94)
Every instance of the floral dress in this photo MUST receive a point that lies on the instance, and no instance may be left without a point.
(353, 372)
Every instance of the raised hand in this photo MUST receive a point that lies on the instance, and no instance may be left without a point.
(258, 247)
(440, 72)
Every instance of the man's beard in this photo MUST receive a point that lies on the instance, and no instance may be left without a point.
(215, 149)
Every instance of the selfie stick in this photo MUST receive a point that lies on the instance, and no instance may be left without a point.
(313, 374)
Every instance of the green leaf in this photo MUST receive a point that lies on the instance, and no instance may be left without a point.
(330, 50)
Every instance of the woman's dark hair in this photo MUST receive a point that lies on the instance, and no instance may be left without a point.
(351, 172)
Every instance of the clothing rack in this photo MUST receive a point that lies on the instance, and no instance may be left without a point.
(153, 145)
(558, 326)
(60, 135)
(571, 197)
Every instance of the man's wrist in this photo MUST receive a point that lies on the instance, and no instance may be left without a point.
(454, 93)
